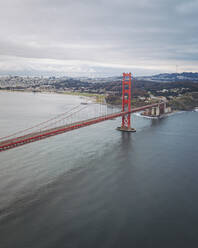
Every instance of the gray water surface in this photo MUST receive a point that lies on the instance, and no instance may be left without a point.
(95, 186)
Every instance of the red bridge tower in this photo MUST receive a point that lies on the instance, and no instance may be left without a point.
(126, 103)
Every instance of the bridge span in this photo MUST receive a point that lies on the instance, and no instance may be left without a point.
(36, 136)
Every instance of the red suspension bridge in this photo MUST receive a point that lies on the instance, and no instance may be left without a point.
(46, 129)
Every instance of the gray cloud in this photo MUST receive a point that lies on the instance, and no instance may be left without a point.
(92, 36)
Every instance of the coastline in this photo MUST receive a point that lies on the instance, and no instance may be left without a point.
(96, 98)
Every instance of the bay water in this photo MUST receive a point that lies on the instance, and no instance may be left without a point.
(96, 186)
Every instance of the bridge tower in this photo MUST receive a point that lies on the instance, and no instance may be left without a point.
(126, 103)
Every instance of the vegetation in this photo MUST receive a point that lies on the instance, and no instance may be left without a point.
(135, 102)
(186, 102)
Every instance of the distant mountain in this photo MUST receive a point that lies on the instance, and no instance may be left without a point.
(172, 77)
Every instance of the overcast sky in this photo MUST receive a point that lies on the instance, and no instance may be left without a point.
(98, 37)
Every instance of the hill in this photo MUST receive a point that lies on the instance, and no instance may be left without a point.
(172, 77)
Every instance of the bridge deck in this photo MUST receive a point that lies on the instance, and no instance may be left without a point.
(35, 136)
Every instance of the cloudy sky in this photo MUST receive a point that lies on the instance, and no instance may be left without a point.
(98, 37)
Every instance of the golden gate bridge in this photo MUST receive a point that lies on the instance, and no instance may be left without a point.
(53, 127)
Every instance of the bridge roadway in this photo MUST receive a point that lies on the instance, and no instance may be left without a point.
(35, 136)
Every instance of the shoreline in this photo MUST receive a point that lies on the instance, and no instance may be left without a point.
(96, 98)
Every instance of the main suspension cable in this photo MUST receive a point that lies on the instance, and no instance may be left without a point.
(40, 124)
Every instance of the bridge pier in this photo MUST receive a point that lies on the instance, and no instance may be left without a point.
(124, 129)
(156, 111)
(159, 110)
(126, 104)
